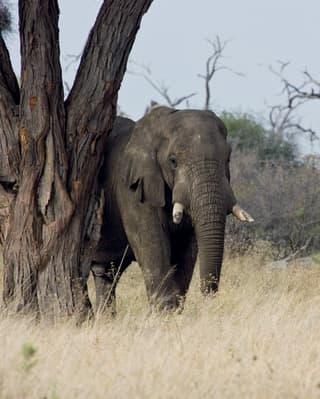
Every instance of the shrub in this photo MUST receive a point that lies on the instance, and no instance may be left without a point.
(282, 197)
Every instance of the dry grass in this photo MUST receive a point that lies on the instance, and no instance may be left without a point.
(259, 338)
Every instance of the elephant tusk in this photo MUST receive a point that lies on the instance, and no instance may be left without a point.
(177, 212)
(241, 214)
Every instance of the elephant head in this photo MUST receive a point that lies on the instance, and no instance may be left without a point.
(186, 154)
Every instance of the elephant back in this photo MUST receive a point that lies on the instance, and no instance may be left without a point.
(114, 149)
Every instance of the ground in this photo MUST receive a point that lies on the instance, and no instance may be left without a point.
(258, 338)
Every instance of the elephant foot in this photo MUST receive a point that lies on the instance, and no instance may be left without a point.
(208, 287)
(166, 304)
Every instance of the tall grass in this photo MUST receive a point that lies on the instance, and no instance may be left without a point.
(258, 338)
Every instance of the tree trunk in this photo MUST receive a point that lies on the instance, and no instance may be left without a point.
(57, 152)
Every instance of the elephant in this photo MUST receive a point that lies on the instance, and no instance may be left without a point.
(166, 182)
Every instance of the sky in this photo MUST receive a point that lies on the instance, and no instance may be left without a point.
(172, 43)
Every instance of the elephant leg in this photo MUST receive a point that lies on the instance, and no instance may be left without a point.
(105, 288)
(184, 257)
(149, 239)
(106, 277)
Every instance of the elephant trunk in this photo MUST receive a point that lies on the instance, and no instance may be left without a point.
(208, 214)
(210, 240)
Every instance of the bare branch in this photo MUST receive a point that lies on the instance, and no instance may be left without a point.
(92, 98)
(161, 89)
(312, 79)
(303, 248)
(283, 117)
(73, 59)
(213, 65)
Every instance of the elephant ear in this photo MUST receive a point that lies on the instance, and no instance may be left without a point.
(143, 173)
(144, 178)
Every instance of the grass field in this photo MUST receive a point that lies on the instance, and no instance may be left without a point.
(258, 338)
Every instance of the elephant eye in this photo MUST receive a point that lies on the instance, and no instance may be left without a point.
(173, 161)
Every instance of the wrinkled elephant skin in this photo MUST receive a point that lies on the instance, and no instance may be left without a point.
(167, 195)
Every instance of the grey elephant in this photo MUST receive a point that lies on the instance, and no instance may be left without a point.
(167, 194)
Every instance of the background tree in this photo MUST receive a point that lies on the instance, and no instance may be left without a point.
(161, 88)
(213, 65)
(51, 150)
(269, 176)
(283, 198)
(283, 117)
(247, 135)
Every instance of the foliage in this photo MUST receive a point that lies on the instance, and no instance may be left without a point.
(246, 134)
(28, 355)
(277, 187)
(277, 149)
(283, 198)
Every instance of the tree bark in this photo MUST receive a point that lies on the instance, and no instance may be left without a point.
(59, 150)
(9, 99)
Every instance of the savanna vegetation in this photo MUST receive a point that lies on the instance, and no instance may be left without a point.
(271, 178)
(277, 185)
(259, 335)
(258, 338)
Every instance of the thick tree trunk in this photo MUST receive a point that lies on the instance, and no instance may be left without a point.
(9, 149)
(61, 149)
(43, 157)
(9, 100)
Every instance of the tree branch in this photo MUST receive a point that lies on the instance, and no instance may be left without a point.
(8, 80)
(9, 98)
(91, 104)
(283, 117)
(161, 89)
(213, 65)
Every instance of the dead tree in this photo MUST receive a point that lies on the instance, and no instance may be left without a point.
(161, 88)
(283, 117)
(51, 150)
(214, 65)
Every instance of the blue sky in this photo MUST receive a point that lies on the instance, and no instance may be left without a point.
(172, 43)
